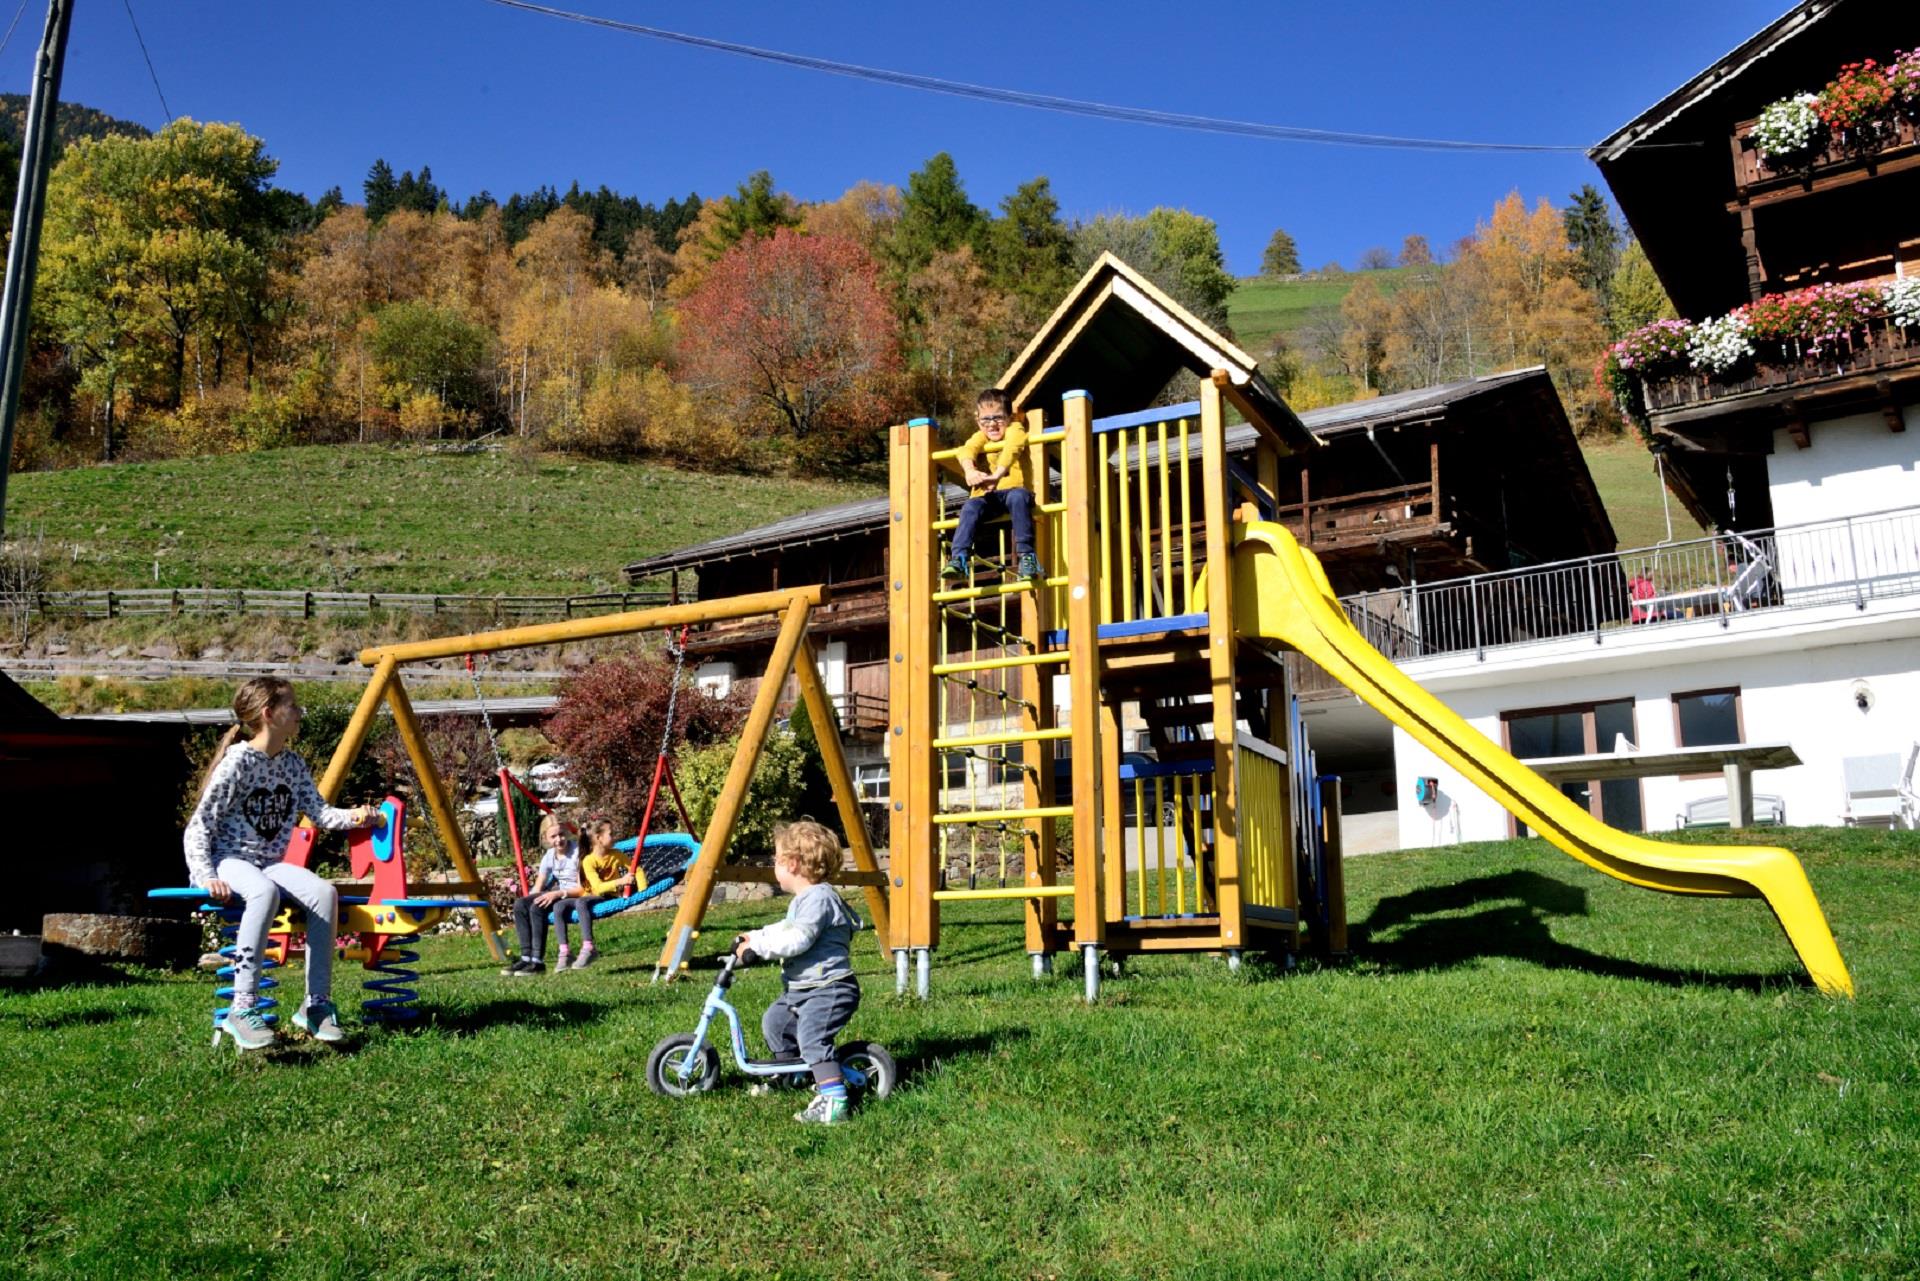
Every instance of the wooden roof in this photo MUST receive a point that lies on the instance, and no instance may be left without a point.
(1120, 338)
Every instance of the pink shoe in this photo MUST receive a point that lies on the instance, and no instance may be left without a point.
(586, 956)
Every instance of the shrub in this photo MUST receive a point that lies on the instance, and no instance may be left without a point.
(775, 796)
(608, 723)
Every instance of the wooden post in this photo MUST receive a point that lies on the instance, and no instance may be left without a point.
(1220, 662)
(698, 890)
(846, 798)
(1036, 687)
(356, 732)
(914, 771)
(434, 790)
(1083, 659)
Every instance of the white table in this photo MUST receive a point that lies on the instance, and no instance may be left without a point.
(1737, 761)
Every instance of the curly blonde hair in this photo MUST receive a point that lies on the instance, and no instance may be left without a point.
(809, 848)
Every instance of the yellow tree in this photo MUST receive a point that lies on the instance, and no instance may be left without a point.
(1529, 305)
(962, 332)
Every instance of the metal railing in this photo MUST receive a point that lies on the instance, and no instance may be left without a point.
(1848, 560)
(123, 602)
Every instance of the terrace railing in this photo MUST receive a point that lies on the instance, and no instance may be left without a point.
(1879, 345)
(1853, 560)
(1891, 140)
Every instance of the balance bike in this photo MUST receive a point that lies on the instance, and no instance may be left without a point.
(687, 1063)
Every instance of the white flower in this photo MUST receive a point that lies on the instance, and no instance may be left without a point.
(1719, 344)
(1787, 126)
(1903, 300)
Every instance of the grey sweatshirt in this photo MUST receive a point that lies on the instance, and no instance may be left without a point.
(249, 808)
(812, 943)
(563, 867)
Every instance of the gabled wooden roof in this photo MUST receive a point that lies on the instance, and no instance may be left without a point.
(1120, 338)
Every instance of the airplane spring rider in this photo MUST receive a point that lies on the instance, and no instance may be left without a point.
(686, 1063)
(387, 920)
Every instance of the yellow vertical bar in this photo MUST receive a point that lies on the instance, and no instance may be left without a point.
(1083, 640)
(1106, 531)
(1145, 540)
(1125, 531)
(441, 804)
(1186, 524)
(1220, 660)
(1179, 844)
(1166, 528)
(846, 797)
(1160, 841)
(1113, 814)
(1036, 781)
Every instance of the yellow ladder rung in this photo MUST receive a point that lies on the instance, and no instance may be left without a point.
(1012, 736)
(996, 664)
(989, 816)
(1007, 891)
(998, 589)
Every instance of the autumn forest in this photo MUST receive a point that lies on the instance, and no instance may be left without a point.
(187, 305)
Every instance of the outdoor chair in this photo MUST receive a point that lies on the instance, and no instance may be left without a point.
(1873, 790)
(1910, 791)
(1711, 811)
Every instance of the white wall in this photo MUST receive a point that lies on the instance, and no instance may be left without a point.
(1796, 687)
(1850, 466)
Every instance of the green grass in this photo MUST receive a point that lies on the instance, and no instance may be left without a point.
(1528, 1071)
(387, 519)
(1623, 472)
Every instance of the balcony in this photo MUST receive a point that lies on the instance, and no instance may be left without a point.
(1857, 561)
(1854, 363)
(1844, 159)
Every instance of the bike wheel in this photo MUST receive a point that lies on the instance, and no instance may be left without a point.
(873, 1064)
(676, 1071)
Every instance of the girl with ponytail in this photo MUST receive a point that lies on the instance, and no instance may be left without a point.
(254, 791)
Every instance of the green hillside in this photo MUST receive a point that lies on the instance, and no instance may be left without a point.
(386, 519)
(1261, 308)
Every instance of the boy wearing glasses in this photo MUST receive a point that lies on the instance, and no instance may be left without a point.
(1001, 442)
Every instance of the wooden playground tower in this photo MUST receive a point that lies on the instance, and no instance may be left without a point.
(1220, 842)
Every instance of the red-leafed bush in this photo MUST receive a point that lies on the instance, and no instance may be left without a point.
(608, 722)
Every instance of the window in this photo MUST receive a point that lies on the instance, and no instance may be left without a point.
(1582, 730)
(1707, 718)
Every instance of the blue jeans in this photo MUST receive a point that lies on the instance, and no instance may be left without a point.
(1015, 504)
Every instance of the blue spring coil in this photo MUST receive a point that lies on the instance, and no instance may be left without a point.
(394, 1004)
(263, 1004)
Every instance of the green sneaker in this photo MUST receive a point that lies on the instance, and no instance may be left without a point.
(319, 1020)
(956, 566)
(823, 1111)
(248, 1030)
(1030, 565)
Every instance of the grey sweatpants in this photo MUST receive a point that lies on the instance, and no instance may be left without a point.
(261, 888)
(806, 1021)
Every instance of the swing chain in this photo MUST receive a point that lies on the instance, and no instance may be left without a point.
(493, 740)
(677, 648)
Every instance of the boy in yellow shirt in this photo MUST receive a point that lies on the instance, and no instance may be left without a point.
(1000, 490)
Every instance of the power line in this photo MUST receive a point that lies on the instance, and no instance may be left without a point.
(1042, 101)
(8, 38)
(149, 57)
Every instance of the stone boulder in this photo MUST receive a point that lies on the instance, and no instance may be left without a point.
(77, 940)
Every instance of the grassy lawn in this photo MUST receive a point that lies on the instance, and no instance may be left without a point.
(1527, 1071)
(387, 519)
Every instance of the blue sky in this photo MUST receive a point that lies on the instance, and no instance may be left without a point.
(504, 100)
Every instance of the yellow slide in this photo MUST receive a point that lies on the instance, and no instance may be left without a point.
(1281, 594)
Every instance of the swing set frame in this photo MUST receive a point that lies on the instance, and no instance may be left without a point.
(793, 654)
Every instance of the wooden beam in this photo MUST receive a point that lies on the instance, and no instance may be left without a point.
(846, 797)
(434, 790)
(358, 726)
(1036, 688)
(638, 620)
(1220, 663)
(1084, 590)
(698, 890)
(1889, 407)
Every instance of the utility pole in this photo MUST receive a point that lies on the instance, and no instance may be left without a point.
(36, 161)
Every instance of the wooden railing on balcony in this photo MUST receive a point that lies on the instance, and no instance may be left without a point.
(1880, 345)
(1895, 144)
(1361, 518)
